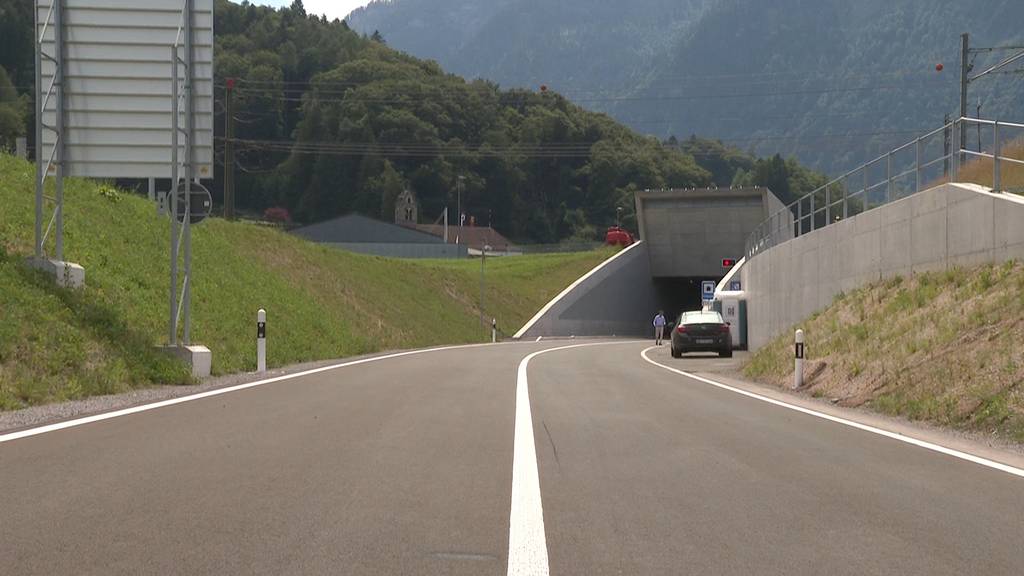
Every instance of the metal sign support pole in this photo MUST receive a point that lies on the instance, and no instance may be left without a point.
(53, 20)
(172, 339)
(189, 172)
(40, 174)
(182, 173)
(58, 37)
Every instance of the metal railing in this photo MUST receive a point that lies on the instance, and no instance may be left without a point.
(901, 172)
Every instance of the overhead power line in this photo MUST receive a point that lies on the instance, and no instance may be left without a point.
(536, 150)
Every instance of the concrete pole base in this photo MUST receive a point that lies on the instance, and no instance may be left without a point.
(199, 358)
(66, 274)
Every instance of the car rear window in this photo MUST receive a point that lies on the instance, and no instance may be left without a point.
(702, 318)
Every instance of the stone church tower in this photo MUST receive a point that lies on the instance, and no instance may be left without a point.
(406, 208)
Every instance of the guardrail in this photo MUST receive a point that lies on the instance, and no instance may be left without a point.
(897, 174)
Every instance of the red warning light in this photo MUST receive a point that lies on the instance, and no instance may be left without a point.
(728, 263)
(939, 67)
(231, 83)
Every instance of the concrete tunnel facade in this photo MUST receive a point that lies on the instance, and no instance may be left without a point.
(684, 236)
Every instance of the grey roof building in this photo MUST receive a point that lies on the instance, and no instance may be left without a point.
(358, 233)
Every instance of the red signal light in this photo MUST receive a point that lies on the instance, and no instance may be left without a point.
(939, 67)
(728, 262)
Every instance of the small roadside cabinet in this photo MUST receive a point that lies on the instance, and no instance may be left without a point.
(733, 308)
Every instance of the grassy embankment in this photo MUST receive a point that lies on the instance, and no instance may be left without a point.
(980, 171)
(322, 303)
(940, 347)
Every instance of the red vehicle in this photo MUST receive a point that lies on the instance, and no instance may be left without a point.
(617, 236)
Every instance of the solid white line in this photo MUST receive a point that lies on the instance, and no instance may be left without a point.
(527, 543)
(522, 331)
(893, 435)
(146, 407)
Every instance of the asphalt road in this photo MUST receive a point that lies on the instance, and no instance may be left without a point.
(405, 466)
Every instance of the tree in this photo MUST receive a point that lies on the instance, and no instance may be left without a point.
(13, 111)
(386, 187)
(332, 122)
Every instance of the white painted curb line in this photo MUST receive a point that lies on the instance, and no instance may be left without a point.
(893, 435)
(181, 400)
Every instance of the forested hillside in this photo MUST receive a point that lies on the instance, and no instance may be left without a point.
(587, 50)
(830, 81)
(329, 121)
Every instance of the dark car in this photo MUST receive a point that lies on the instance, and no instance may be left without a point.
(701, 332)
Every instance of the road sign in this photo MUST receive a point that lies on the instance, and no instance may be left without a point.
(115, 61)
(201, 205)
(707, 290)
(735, 286)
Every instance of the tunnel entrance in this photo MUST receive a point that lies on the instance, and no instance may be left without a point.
(679, 294)
(687, 236)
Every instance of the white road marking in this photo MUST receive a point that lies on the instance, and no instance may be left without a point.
(893, 435)
(527, 542)
(146, 407)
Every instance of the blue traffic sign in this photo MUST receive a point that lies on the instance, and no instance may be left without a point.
(735, 286)
(707, 289)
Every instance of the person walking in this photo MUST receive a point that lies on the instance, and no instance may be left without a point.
(659, 327)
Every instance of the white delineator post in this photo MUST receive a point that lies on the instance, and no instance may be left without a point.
(261, 341)
(798, 373)
(494, 330)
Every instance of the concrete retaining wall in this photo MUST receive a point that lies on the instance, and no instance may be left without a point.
(615, 298)
(689, 232)
(951, 225)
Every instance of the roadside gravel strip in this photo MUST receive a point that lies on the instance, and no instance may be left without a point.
(17, 420)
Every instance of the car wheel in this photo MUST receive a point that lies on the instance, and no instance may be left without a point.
(726, 353)
(676, 353)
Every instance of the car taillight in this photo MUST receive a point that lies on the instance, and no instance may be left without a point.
(681, 329)
(725, 327)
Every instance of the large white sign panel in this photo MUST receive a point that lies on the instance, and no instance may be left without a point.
(117, 69)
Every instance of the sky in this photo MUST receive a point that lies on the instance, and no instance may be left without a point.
(332, 8)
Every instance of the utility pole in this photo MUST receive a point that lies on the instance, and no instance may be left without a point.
(965, 71)
(229, 150)
(483, 260)
(978, 116)
(966, 67)
(947, 141)
(458, 192)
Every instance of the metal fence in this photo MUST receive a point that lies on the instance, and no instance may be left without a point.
(917, 165)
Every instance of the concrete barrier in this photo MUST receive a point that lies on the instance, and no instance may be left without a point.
(615, 298)
(950, 225)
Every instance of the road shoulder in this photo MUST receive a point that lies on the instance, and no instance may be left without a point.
(728, 372)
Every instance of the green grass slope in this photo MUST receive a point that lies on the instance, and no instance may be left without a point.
(322, 303)
(940, 347)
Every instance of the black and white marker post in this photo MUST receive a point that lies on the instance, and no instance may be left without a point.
(798, 373)
(494, 330)
(261, 341)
